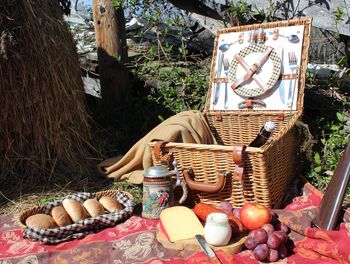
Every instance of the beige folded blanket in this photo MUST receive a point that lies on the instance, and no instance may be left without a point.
(187, 127)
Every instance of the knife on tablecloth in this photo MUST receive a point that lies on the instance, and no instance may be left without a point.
(207, 250)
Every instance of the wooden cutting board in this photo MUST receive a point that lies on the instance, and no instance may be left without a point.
(234, 246)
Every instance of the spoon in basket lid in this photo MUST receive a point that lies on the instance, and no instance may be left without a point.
(222, 48)
(293, 38)
(225, 47)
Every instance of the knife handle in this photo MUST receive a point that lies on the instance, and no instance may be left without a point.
(215, 260)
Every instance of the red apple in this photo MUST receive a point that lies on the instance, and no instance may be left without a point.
(254, 216)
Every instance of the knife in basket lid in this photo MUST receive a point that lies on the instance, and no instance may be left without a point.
(218, 75)
(282, 83)
(207, 250)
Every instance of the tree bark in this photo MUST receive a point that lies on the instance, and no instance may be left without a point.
(109, 24)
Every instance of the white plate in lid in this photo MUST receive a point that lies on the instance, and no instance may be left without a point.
(268, 73)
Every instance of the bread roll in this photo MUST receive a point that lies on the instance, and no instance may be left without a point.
(61, 217)
(41, 221)
(76, 210)
(110, 204)
(93, 207)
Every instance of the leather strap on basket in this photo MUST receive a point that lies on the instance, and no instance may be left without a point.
(159, 153)
(220, 80)
(280, 116)
(237, 157)
(218, 116)
(289, 76)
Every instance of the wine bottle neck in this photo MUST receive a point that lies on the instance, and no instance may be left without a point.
(265, 133)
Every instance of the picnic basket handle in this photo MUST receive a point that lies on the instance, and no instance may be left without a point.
(237, 175)
(205, 187)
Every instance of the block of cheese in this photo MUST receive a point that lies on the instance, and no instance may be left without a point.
(180, 222)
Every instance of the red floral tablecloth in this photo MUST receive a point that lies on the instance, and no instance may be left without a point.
(134, 241)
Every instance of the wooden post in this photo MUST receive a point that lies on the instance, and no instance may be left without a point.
(109, 24)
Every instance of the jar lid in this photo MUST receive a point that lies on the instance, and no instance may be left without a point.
(217, 218)
(157, 172)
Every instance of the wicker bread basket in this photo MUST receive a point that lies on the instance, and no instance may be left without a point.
(267, 170)
(83, 227)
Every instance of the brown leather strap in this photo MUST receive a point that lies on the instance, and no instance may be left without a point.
(167, 158)
(280, 116)
(158, 148)
(255, 77)
(237, 154)
(288, 76)
(250, 71)
(220, 80)
(237, 157)
(218, 116)
(249, 103)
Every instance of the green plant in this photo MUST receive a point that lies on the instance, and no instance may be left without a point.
(329, 149)
(178, 86)
(177, 83)
(245, 13)
(134, 190)
(44, 201)
(339, 16)
(241, 11)
(117, 4)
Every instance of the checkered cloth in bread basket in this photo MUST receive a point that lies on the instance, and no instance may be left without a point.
(79, 229)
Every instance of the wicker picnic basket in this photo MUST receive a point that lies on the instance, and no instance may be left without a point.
(268, 170)
(81, 228)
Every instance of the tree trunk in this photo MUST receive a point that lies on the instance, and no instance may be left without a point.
(109, 25)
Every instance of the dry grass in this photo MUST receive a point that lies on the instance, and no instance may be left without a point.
(44, 129)
(22, 203)
(25, 202)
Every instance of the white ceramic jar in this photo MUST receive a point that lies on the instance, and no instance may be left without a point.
(217, 229)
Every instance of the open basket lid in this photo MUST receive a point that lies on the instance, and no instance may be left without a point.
(260, 67)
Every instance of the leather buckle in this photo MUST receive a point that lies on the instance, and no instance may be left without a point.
(218, 116)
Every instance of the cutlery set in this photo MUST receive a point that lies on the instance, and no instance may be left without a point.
(288, 70)
(226, 68)
(292, 81)
(293, 66)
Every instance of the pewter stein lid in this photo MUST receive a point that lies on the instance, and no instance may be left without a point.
(160, 171)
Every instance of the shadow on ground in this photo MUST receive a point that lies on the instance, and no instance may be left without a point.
(114, 133)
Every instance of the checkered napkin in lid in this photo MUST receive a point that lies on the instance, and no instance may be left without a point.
(81, 228)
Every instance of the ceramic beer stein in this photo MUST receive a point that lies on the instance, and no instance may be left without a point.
(158, 190)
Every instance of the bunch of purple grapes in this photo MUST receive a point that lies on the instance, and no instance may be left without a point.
(270, 242)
